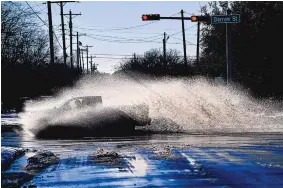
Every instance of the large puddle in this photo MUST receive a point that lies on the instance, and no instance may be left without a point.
(164, 160)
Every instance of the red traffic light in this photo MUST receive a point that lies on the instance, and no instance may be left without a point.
(147, 17)
(144, 17)
(194, 18)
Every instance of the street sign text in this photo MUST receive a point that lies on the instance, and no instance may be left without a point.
(217, 19)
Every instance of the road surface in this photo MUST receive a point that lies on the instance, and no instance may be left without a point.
(165, 160)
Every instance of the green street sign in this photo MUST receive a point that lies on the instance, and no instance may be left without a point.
(218, 19)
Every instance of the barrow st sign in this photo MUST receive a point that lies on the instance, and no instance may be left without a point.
(218, 19)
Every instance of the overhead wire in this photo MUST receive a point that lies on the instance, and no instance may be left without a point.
(116, 37)
(132, 27)
(182, 31)
(188, 13)
(45, 24)
(41, 9)
(131, 40)
(182, 40)
(126, 57)
(125, 41)
(113, 54)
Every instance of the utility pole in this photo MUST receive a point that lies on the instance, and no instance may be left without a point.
(78, 48)
(63, 34)
(184, 38)
(71, 31)
(78, 52)
(229, 49)
(164, 49)
(153, 17)
(60, 3)
(71, 38)
(83, 60)
(50, 32)
(198, 31)
(135, 58)
(87, 56)
(80, 59)
(91, 64)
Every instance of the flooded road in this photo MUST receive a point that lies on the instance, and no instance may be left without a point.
(165, 160)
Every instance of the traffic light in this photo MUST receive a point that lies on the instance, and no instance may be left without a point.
(148, 17)
(200, 18)
(194, 18)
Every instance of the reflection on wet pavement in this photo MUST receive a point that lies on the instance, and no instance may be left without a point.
(175, 160)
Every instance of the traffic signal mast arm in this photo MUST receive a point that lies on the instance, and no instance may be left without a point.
(151, 17)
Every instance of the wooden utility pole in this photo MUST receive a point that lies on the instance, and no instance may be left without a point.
(71, 31)
(78, 52)
(184, 38)
(50, 32)
(83, 60)
(229, 50)
(87, 56)
(63, 33)
(78, 48)
(153, 17)
(91, 64)
(61, 4)
(71, 38)
(164, 49)
(81, 68)
(198, 31)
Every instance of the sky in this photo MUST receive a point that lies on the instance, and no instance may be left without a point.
(110, 27)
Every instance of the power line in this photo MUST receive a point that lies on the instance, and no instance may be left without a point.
(188, 13)
(120, 58)
(125, 41)
(182, 40)
(119, 29)
(113, 57)
(57, 40)
(131, 27)
(112, 54)
(181, 31)
(110, 30)
(129, 39)
(36, 14)
(41, 9)
(44, 23)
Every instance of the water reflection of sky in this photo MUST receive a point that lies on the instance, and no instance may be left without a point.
(200, 161)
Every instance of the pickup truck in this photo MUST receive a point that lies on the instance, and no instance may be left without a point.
(86, 116)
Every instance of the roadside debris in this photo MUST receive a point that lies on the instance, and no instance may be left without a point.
(36, 163)
(15, 179)
(164, 152)
(105, 157)
(9, 155)
(40, 161)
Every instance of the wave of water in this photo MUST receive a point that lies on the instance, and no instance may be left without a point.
(175, 104)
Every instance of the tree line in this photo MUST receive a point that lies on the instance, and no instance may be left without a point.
(256, 49)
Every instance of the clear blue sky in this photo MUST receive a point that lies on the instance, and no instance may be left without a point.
(100, 18)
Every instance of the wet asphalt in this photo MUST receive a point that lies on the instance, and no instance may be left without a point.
(156, 160)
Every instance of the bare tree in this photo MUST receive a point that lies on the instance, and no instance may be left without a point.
(23, 39)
